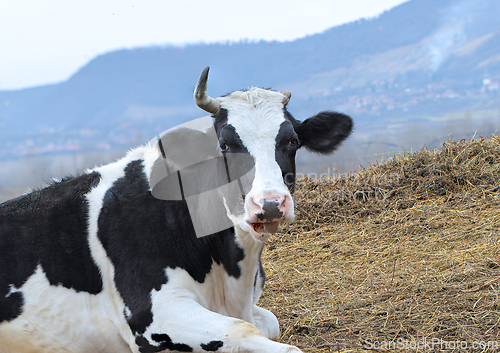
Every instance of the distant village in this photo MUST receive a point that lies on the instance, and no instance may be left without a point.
(383, 96)
(378, 98)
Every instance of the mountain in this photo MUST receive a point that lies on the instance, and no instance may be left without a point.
(422, 58)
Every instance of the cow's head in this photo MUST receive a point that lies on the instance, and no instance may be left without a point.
(256, 122)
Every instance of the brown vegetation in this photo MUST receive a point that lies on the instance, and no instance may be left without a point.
(406, 250)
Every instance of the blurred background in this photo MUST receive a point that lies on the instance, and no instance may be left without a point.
(80, 84)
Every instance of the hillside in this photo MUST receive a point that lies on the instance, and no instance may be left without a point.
(423, 58)
(404, 251)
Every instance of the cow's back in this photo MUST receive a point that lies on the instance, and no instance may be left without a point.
(47, 271)
(47, 228)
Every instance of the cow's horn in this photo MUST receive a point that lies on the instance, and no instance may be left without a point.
(201, 97)
(287, 95)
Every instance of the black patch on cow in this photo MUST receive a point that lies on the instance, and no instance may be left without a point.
(260, 273)
(229, 137)
(11, 306)
(220, 120)
(47, 227)
(261, 270)
(143, 235)
(165, 343)
(212, 346)
(287, 143)
(323, 132)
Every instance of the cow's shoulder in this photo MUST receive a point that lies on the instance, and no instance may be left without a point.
(144, 236)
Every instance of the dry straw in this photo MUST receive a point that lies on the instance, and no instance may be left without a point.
(404, 251)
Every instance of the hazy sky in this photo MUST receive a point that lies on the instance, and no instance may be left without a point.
(46, 41)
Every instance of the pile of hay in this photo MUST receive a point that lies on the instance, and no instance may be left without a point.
(407, 251)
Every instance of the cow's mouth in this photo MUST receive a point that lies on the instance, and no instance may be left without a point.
(261, 228)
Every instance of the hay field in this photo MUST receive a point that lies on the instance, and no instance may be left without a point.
(405, 251)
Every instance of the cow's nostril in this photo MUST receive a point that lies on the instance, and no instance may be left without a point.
(284, 201)
(254, 206)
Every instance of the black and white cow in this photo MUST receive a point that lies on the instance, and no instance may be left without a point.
(96, 263)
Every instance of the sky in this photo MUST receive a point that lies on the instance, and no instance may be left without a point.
(46, 41)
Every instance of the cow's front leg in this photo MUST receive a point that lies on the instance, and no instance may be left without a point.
(181, 324)
(266, 322)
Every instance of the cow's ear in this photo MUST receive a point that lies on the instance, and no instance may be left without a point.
(323, 132)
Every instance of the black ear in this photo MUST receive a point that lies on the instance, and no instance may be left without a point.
(323, 132)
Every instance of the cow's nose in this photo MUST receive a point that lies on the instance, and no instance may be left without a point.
(269, 209)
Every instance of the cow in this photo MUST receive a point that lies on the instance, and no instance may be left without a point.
(98, 263)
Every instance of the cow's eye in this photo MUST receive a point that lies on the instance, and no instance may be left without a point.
(294, 141)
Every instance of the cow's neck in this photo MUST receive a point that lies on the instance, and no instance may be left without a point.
(229, 295)
(239, 293)
(253, 250)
